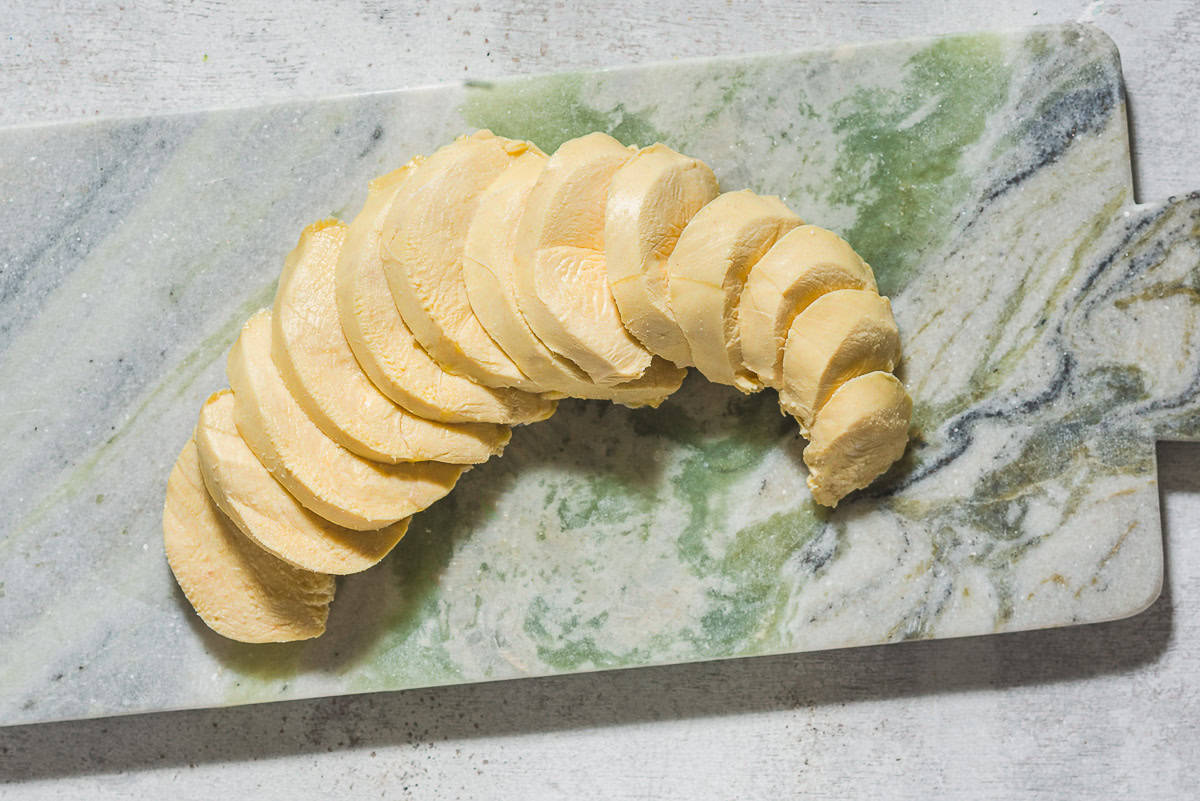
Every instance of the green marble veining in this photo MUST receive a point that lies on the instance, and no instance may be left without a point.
(900, 167)
(549, 111)
(1050, 332)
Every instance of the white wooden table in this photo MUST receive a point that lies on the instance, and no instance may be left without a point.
(1095, 712)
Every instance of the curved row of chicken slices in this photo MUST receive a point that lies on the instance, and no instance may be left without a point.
(474, 289)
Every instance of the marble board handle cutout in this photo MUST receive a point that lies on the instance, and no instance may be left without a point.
(1156, 300)
(1049, 328)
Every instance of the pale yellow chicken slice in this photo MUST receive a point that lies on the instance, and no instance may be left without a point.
(651, 198)
(577, 313)
(707, 271)
(804, 264)
(488, 255)
(239, 590)
(859, 432)
(340, 486)
(422, 249)
(842, 334)
(488, 268)
(321, 373)
(386, 349)
(561, 279)
(267, 513)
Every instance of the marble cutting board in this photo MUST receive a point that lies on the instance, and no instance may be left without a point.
(1049, 324)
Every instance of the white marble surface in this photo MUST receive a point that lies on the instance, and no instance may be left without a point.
(1088, 712)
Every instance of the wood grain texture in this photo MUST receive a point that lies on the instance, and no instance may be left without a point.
(1096, 712)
